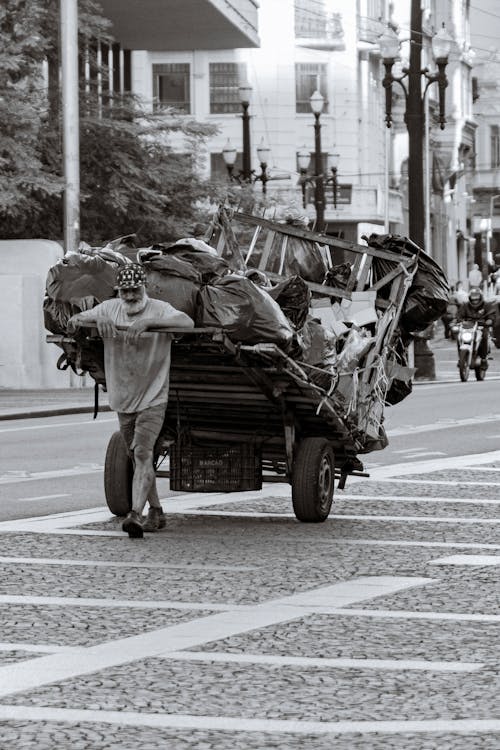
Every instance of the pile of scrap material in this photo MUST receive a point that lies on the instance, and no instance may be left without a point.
(344, 312)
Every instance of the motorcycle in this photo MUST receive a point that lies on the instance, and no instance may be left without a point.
(468, 336)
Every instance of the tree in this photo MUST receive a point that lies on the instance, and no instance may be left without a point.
(25, 182)
(132, 179)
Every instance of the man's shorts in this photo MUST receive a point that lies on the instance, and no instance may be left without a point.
(141, 429)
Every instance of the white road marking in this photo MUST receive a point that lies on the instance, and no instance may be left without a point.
(38, 649)
(421, 454)
(406, 543)
(55, 424)
(460, 463)
(79, 601)
(401, 614)
(419, 499)
(423, 519)
(242, 724)
(221, 657)
(444, 424)
(39, 497)
(442, 482)
(113, 564)
(24, 476)
(481, 560)
(44, 670)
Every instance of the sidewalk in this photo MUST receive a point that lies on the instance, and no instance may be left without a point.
(23, 404)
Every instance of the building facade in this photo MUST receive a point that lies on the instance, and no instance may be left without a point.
(328, 46)
(332, 46)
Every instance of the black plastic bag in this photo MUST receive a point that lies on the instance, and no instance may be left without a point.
(294, 297)
(208, 264)
(246, 312)
(78, 276)
(180, 292)
(429, 292)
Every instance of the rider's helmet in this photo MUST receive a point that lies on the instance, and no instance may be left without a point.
(475, 297)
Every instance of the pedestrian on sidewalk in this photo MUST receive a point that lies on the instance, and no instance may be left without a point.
(475, 277)
(137, 369)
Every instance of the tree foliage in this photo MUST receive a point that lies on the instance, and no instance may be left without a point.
(139, 170)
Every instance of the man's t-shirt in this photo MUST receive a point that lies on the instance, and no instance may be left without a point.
(137, 374)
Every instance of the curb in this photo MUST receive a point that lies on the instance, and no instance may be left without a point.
(52, 412)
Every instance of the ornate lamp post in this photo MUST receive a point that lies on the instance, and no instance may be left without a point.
(263, 152)
(333, 165)
(317, 102)
(303, 158)
(245, 97)
(414, 111)
(415, 121)
(229, 154)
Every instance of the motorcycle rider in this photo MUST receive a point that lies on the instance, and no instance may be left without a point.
(477, 310)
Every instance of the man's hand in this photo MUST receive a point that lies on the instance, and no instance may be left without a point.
(106, 328)
(135, 330)
(72, 325)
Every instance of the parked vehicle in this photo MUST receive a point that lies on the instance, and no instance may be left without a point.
(469, 334)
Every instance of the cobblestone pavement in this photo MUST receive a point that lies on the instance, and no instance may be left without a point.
(238, 627)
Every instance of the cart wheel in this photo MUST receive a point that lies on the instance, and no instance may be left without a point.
(312, 480)
(118, 472)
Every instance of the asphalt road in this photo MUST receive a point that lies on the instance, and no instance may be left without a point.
(236, 627)
(55, 464)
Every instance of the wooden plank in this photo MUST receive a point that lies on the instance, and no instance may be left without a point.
(253, 243)
(322, 239)
(364, 274)
(353, 277)
(267, 250)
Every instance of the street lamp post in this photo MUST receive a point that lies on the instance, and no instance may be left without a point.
(415, 122)
(229, 155)
(317, 102)
(245, 95)
(263, 152)
(304, 159)
(414, 112)
(333, 165)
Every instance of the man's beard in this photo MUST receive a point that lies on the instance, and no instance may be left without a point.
(134, 308)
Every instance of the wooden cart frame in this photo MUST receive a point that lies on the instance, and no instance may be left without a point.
(225, 394)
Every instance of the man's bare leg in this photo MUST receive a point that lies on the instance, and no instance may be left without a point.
(143, 484)
(144, 480)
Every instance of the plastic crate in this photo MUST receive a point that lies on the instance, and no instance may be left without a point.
(231, 467)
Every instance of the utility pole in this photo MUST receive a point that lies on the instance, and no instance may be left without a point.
(70, 116)
(415, 127)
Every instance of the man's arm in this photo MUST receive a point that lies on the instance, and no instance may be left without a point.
(169, 319)
(86, 318)
(96, 317)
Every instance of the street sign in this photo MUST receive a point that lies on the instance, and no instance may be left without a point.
(344, 194)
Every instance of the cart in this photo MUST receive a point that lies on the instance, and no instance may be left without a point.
(242, 414)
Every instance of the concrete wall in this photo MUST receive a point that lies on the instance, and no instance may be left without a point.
(26, 360)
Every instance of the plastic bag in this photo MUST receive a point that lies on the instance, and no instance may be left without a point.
(56, 314)
(180, 292)
(356, 345)
(319, 344)
(207, 264)
(78, 276)
(294, 297)
(245, 311)
(429, 292)
(170, 266)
